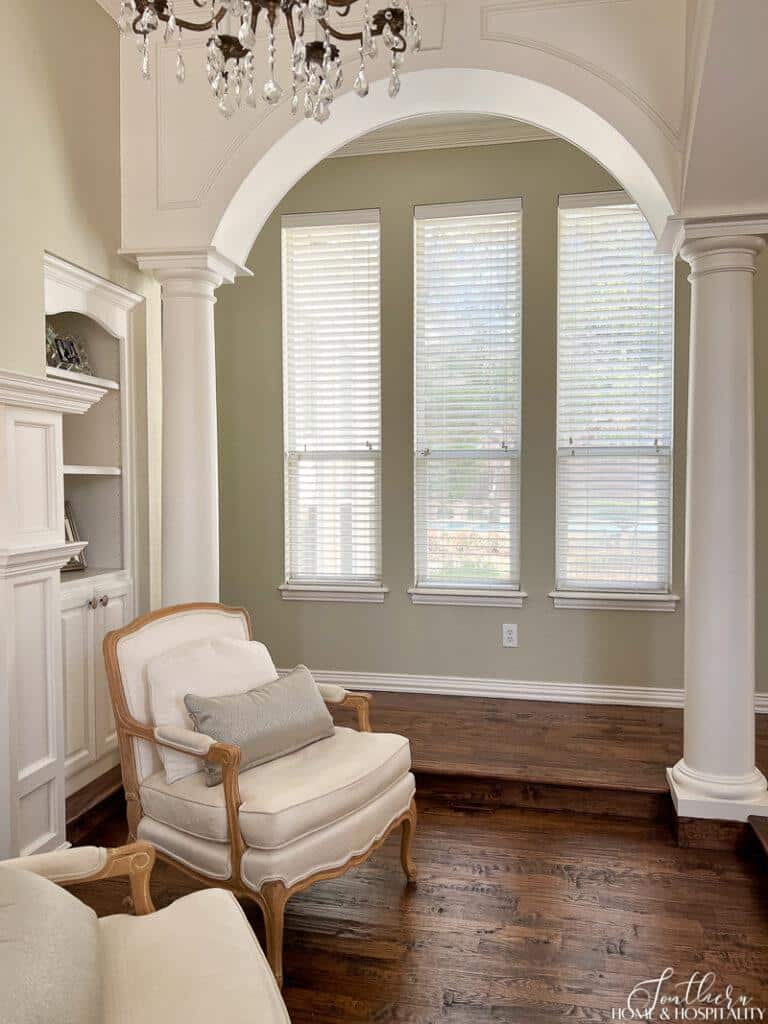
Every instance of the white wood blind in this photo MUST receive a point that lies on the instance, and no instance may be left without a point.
(332, 401)
(467, 342)
(615, 399)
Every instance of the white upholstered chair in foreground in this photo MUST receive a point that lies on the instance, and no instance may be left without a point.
(273, 830)
(195, 962)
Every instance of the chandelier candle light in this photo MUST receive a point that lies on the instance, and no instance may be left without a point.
(315, 59)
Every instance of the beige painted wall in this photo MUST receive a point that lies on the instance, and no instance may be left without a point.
(59, 82)
(637, 648)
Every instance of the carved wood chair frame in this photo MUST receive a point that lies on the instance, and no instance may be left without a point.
(273, 896)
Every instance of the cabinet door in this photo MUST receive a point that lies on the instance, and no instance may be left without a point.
(77, 665)
(114, 610)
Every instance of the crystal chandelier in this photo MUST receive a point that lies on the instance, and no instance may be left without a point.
(315, 59)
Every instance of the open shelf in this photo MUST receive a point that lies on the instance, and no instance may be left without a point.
(81, 378)
(92, 471)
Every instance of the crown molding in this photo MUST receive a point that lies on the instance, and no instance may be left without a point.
(402, 139)
(19, 561)
(87, 284)
(47, 393)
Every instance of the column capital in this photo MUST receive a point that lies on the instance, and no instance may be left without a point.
(202, 264)
(713, 234)
(717, 253)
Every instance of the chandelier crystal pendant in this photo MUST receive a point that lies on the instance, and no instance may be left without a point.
(316, 62)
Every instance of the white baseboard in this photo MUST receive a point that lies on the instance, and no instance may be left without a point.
(514, 689)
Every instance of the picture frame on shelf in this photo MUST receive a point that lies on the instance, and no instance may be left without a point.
(66, 353)
(71, 535)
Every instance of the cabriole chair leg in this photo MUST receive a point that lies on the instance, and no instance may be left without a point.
(274, 896)
(406, 840)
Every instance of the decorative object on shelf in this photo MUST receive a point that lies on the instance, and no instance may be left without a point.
(77, 562)
(316, 62)
(66, 353)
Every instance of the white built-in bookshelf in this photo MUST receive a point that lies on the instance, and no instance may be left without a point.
(98, 483)
(93, 450)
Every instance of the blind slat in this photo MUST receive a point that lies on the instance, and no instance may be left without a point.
(615, 399)
(467, 342)
(332, 398)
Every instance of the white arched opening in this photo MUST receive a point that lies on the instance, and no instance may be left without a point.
(437, 91)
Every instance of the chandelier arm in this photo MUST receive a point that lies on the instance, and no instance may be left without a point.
(164, 15)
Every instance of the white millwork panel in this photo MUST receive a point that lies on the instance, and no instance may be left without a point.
(58, 435)
(90, 609)
(32, 551)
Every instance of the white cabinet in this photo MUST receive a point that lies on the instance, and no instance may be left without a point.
(90, 608)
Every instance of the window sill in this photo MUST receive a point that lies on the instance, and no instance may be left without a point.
(318, 592)
(488, 598)
(607, 600)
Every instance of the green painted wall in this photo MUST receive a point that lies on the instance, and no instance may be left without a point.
(557, 645)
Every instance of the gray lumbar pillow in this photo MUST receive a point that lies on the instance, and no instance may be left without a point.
(268, 722)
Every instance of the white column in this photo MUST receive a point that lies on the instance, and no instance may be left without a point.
(190, 480)
(717, 776)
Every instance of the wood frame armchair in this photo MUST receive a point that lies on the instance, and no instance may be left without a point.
(94, 863)
(272, 895)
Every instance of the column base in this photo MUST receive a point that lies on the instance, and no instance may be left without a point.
(725, 798)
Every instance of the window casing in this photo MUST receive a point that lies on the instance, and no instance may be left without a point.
(615, 393)
(467, 366)
(332, 402)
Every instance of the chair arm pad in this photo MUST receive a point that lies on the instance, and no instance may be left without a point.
(185, 740)
(331, 693)
(74, 865)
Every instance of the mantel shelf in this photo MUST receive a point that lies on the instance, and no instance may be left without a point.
(92, 471)
(81, 378)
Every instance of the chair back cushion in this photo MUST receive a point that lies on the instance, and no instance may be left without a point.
(136, 649)
(270, 721)
(210, 668)
(49, 964)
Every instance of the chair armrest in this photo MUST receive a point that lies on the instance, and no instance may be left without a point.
(336, 696)
(185, 740)
(78, 864)
(93, 863)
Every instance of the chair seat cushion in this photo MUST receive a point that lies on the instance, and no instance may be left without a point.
(284, 800)
(196, 961)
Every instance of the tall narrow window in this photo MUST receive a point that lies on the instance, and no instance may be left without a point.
(332, 416)
(467, 341)
(615, 396)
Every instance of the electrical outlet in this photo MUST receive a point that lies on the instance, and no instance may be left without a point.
(509, 634)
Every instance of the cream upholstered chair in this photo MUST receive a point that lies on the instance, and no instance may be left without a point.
(194, 962)
(273, 830)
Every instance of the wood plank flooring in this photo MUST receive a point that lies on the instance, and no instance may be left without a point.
(519, 916)
(589, 745)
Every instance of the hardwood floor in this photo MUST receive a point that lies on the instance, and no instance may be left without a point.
(519, 916)
(541, 742)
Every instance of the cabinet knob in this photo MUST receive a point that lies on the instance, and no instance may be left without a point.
(93, 604)
(104, 601)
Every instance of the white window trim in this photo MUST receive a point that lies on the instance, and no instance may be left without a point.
(594, 600)
(468, 597)
(352, 594)
(472, 595)
(576, 201)
(480, 208)
(607, 600)
(293, 590)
